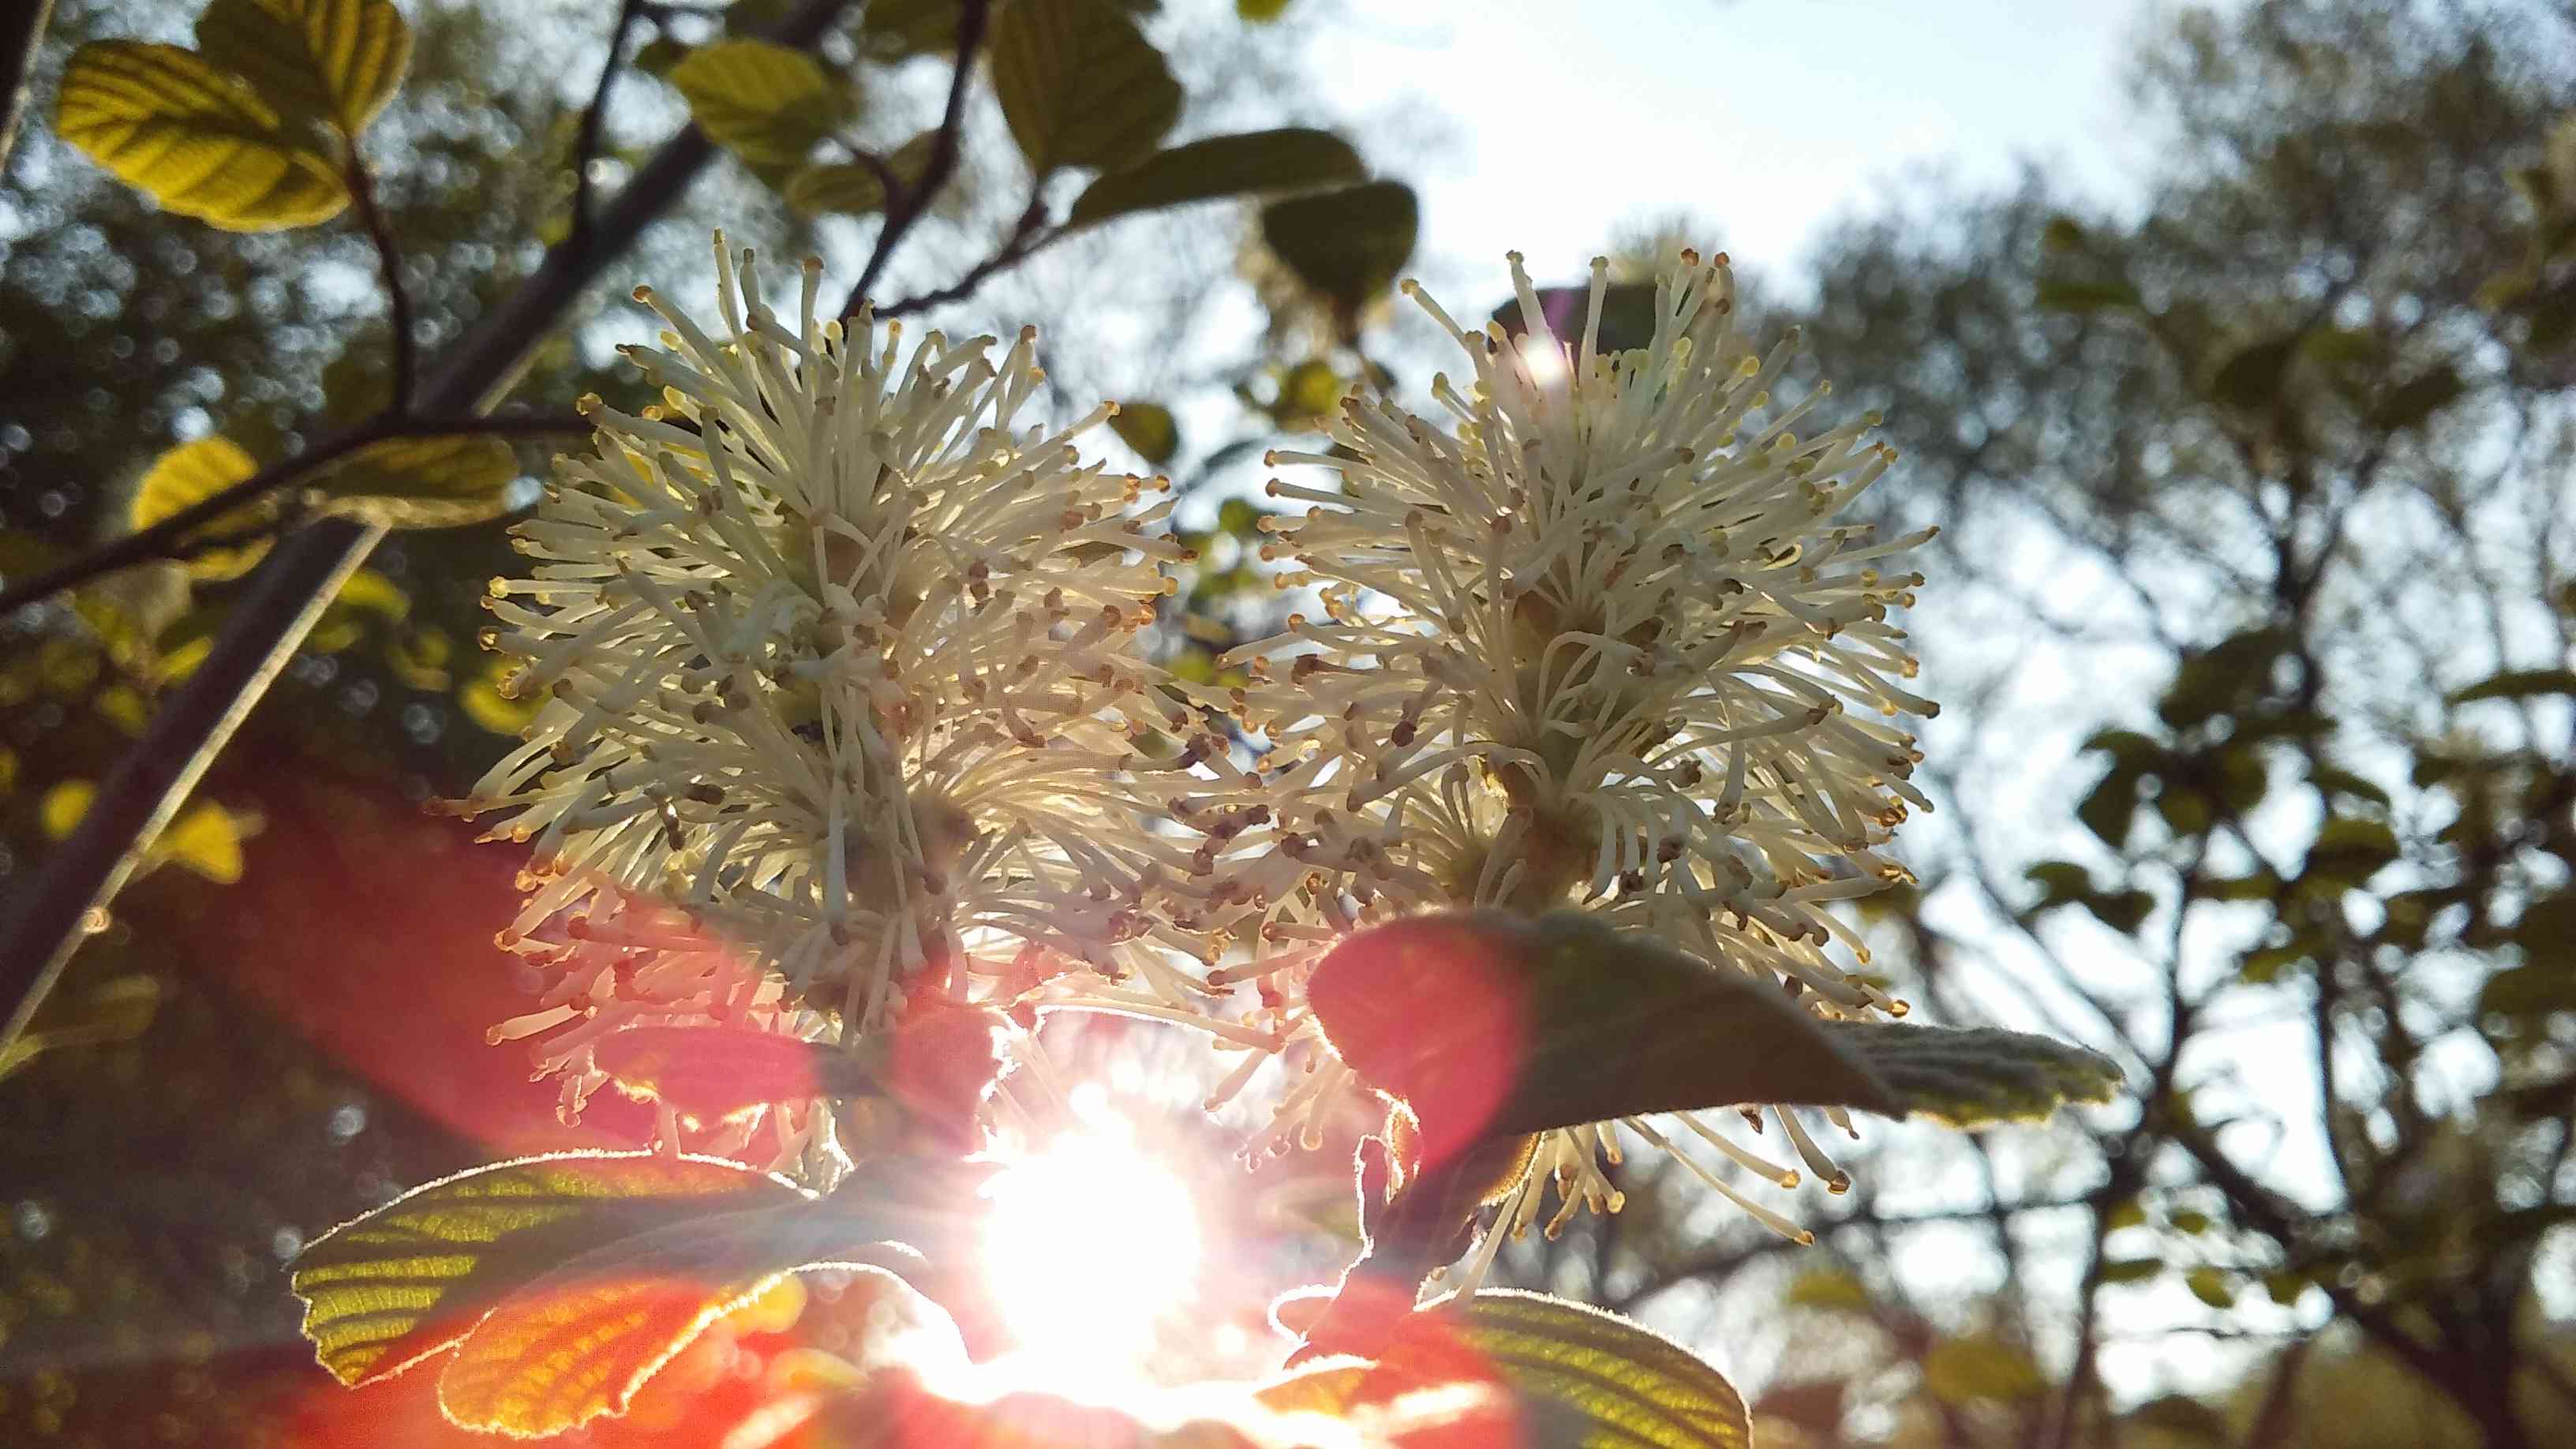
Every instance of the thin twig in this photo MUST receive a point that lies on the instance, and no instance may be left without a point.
(406, 347)
(905, 206)
(162, 539)
(586, 150)
(1030, 235)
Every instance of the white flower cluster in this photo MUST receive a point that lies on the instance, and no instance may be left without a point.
(846, 695)
(841, 689)
(1598, 643)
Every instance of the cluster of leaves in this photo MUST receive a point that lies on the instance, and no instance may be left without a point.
(553, 1289)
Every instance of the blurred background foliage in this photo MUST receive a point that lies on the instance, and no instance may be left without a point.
(2252, 621)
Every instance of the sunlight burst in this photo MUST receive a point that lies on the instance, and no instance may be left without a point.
(1089, 1244)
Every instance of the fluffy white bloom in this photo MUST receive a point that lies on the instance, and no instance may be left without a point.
(841, 687)
(1600, 643)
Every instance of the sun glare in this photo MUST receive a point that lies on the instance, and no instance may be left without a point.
(1089, 1244)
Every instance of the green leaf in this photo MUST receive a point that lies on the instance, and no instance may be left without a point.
(189, 474)
(1829, 1288)
(2123, 911)
(2112, 803)
(336, 61)
(1149, 429)
(2519, 684)
(2411, 402)
(2350, 850)
(410, 1279)
(2060, 882)
(2341, 781)
(897, 29)
(1488, 1025)
(2529, 990)
(1260, 12)
(438, 482)
(1584, 1376)
(2250, 377)
(1080, 85)
(2062, 234)
(659, 56)
(1981, 1367)
(2063, 294)
(1973, 1076)
(1346, 244)
(847, 188)
(1290, 159)
(194, 136)
(2131, 1270)
(2210, 1286)
(765, 103)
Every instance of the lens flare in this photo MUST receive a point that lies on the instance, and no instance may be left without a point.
(1090, 1244)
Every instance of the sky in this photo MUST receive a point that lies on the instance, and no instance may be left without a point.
(1765, 118)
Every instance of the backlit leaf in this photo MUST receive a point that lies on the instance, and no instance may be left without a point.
(577, 1343)
(1347, 244)
(1293, 158)
(401, 1283)
(1972, 1076)
(189, 474)
(437, 482)
(711, 1072)
(1489, 1025)
(1580, 1376)
(196, 137)
(767, 104)
(335, 60)
(1080, 85)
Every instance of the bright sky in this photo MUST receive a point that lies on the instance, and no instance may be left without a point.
(1766, 118)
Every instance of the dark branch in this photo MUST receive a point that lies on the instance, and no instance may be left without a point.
(1029, 235)
(905, 205)
(18, 45)
(168, 537)
(586, 150)
(406, 347)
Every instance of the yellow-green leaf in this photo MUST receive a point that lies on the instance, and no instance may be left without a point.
(439, 482)
(1080, 85)
(189, 474)
(1293, 158)
(195, 136)
(411, 1278)
(64, 805)
(2211, 1286)
(765, 103)
(578, 1342)
(1828, 1288)
(1592, 1378)
(207, 839)
(489, 700)
(337, 61)
(1149, 429)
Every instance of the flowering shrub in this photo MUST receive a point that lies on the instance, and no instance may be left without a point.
(850, 746)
